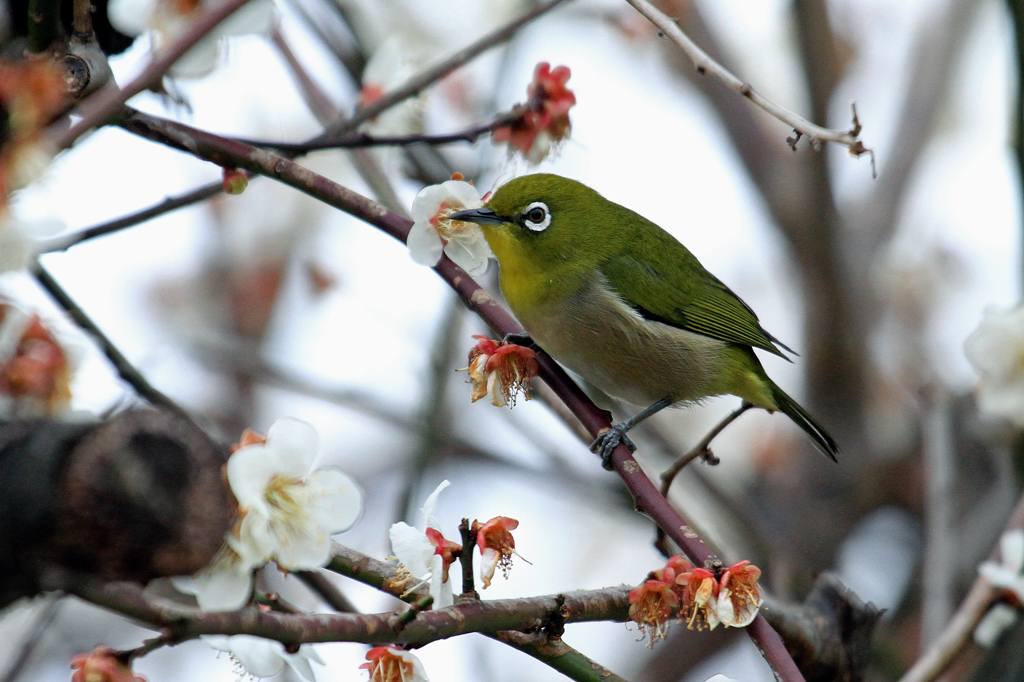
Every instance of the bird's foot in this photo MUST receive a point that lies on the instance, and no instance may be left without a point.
(608, 440)
(520, 339)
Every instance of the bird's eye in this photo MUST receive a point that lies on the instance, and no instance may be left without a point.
(536, 217)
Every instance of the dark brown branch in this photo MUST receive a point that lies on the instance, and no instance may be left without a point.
(466, 559)
(646, 495)
(166, 206)
(701, 449)
(136, 497)
(428, 626)
(829, 635)
(326, 590)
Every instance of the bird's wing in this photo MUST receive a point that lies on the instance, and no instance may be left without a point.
(672, 287)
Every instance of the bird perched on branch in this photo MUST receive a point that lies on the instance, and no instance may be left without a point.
(621, 302)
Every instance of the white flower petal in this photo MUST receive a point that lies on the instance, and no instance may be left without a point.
(426, 516)
(337, 501)
(427, 201)
(250, 470)
(217, 590)
(303, 551)
(469, 253)
(425, 245)
(297, 443)
(412, 548)
(260, 657)
(720, 678)
(1011, 548)
(256, 542)
(996, 621)
(462, 193)
(440, 589)
(131, 17)
(488, 562)
(300, 662)
(200, 60)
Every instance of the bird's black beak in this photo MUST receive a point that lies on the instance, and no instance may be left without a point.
(480, 216)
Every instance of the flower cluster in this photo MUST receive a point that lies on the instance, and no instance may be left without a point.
(704, 598)
(167, 21)
(996, 349)
(427, 556)
(35, 369)
(501, 370)
(287, 512)
(546, 121)
(391, 664)
(101, 665)
(434, 232)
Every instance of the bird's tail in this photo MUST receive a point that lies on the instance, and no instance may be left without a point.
(805, 421)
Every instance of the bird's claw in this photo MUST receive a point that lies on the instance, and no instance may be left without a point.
(607, 441)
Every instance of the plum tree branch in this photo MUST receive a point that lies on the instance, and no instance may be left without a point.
(412, 87)
(647, 497)
(957, 634)
(181, 623)
(705, 65)
(105, 103)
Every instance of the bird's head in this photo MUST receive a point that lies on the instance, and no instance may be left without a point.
(539, 220)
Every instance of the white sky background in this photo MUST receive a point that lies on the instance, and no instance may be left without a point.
(639, 138)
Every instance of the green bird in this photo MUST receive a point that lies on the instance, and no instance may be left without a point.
(621, 302)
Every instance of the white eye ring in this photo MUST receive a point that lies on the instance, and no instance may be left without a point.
(537, 225)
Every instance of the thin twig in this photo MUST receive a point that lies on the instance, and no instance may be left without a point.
(938, 565)
(125, 369)
(468, 535)
(435, 73)
(362, 140)
(646, 495)
(326, 590)
(957, 635)
(82, 18)
(166, 206)
(32, 638)
(98, 108)
(706, 65)
(701, 449)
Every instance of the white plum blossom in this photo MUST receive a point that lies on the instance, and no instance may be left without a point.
(289, 511)
(166, 21)
(425, 552)
(224, 585)
(1006, 574)
(21, 240)
(996, 350)
(390, 66)
(261, 657)
(720, 678)
(433, 231)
